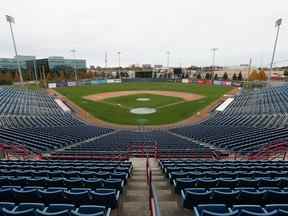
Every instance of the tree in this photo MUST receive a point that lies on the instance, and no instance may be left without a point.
(216, 76)
(207, 76)
(240, 77)
(254, 75)
(234, 77)
(225, 76)
(262, 75)
(62, 76)
(199, 76)
(286, 73)
(49, 76)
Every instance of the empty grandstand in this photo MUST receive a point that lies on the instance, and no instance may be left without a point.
(85, 168)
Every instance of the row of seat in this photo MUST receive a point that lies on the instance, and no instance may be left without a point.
(19, 121)
(236, 196)
(181, 183)
(116, 183)
(226, 162)
(40, 209)
(240, 210)
(76, 163)
(104, 172)
(227, 174)
(76, 196)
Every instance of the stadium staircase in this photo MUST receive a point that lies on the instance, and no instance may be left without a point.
(169, 202)
(135, 196)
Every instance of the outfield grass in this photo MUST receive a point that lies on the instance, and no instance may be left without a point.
(115, 114)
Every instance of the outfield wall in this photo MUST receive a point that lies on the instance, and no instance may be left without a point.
(214, 82)
(83, 82)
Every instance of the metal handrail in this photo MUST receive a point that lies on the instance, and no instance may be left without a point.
(153, 198)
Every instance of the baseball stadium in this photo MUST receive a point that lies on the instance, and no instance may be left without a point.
(128, 148)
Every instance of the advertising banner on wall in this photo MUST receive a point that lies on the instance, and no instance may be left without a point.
(51, 85)
(227, 83)
(185, 81)
(61, 84)
(217, 82)
(71, 84)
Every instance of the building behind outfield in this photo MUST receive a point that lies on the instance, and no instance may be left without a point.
(56, 63)
(10, 64)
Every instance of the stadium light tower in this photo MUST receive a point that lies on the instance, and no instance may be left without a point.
(119, 63)
(213, 61)
(168, 53)
(277, 25)
(73, 51)
(106, 60)
(11, 20)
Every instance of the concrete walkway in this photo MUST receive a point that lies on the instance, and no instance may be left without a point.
(169, 201)
(134, 200)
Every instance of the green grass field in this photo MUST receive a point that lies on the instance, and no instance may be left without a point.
(110, 111)
(156, 101)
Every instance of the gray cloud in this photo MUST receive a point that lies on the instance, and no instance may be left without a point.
(144, 30)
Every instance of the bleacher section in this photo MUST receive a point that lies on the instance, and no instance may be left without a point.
(247, 120)
(238, 139)
(249, 123)
(262, 108)
(72, 183)
(123, 142)
(34, 120)
(49, 138)
(38, 121)
(17, 101)
(228, 183)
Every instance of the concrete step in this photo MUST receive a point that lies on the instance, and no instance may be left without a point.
(166, 195)
(158, 178)
(135, 195)
(138, 178)
(172, 208)
(137, 186)
(134, 209)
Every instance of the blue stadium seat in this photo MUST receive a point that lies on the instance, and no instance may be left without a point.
(91, 210)
(105, 197)
(191, 197)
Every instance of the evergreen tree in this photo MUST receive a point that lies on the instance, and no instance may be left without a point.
(199, 76)
(240, 77)
(225, 76)
(216, 76)
(234, 77)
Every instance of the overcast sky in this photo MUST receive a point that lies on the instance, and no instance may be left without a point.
(143, 30)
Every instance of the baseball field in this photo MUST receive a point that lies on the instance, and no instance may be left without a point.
(164, 102)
